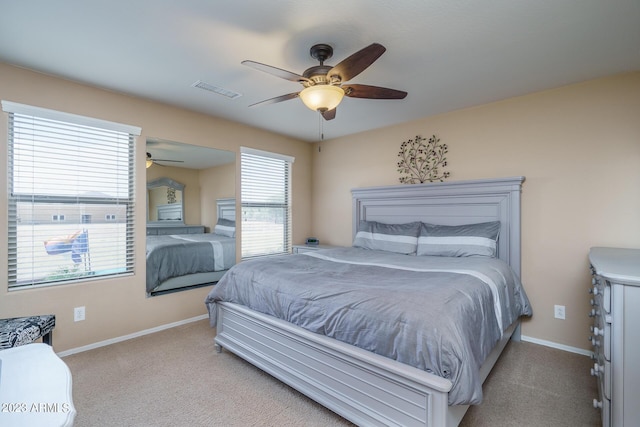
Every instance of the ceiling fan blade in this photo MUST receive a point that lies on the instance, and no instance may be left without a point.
(373, 92)
(278, 72)
(276, 99)
(357, 63)
(329, 114)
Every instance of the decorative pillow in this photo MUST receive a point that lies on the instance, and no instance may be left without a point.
(398, 238)
(225, 227)
(459, 240)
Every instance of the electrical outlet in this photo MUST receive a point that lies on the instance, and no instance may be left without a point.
(558, 311)
(78, 314)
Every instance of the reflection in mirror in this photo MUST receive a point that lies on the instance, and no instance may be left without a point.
(165, 202)
(207, 174)
(190, 200)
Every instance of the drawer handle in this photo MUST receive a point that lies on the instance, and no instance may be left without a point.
(594, 312)
(594, 342)
(597, 331)
(594, 290)
(593, 302)
(597, 369)
(597, 404)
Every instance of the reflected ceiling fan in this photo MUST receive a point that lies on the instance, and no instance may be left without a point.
(151, 161)
(324, 85)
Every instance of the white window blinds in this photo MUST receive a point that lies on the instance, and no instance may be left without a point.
(266, 203)
(70, 197)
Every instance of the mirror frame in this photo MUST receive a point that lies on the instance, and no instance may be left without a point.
(165, 182)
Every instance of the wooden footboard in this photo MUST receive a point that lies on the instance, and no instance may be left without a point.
(361, 386)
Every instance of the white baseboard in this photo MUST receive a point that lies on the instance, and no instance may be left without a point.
(130, 336)
(556, 345)
(204, 316)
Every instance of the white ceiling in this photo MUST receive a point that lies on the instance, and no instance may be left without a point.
(186, 156)
(447, 54)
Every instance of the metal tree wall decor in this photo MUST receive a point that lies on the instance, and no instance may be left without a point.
(171, 195)
(422, 160)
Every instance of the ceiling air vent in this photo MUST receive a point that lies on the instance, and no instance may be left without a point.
(215, 89)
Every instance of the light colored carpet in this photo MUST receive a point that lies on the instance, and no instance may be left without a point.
(175, 378)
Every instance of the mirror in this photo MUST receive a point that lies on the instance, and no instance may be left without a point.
(165, 204)
(188, 188)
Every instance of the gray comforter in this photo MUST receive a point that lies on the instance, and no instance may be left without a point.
(180, 254)
(439, 314)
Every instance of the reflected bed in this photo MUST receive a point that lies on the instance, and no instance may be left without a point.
(180, 257)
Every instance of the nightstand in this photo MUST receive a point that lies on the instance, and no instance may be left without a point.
(298, 249)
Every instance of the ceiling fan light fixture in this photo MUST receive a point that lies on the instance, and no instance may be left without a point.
(322, 97)
(149, 163)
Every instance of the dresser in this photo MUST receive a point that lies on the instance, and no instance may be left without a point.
(163, 230)
(615, 334)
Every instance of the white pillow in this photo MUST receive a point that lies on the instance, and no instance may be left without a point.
(225, 227)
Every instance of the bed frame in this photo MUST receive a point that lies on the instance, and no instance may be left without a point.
(361, 386)
(226, 209)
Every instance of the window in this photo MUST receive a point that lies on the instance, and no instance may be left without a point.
(266, 202)
(63, 170)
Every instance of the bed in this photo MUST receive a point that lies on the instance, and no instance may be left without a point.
(375, 363)
(180, 257)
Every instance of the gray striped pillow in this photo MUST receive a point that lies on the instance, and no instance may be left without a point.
(459, 240)
(398, 238)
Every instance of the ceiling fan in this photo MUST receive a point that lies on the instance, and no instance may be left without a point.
(151, 161)
(324, 85)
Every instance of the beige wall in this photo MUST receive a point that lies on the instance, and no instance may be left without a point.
(117, 307)
(579, 149)
(215, 183)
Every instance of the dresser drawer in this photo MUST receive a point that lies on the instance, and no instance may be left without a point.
(166, 231)
(178, 229)
(604, 405)
(602, 371)
(601, 293)
(600, 334)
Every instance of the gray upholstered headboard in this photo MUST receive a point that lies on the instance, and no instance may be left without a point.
(448, 203)
(226, 208)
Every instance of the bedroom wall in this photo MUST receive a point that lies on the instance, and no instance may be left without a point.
(118, 307)
(215, 183)
(578, 147)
